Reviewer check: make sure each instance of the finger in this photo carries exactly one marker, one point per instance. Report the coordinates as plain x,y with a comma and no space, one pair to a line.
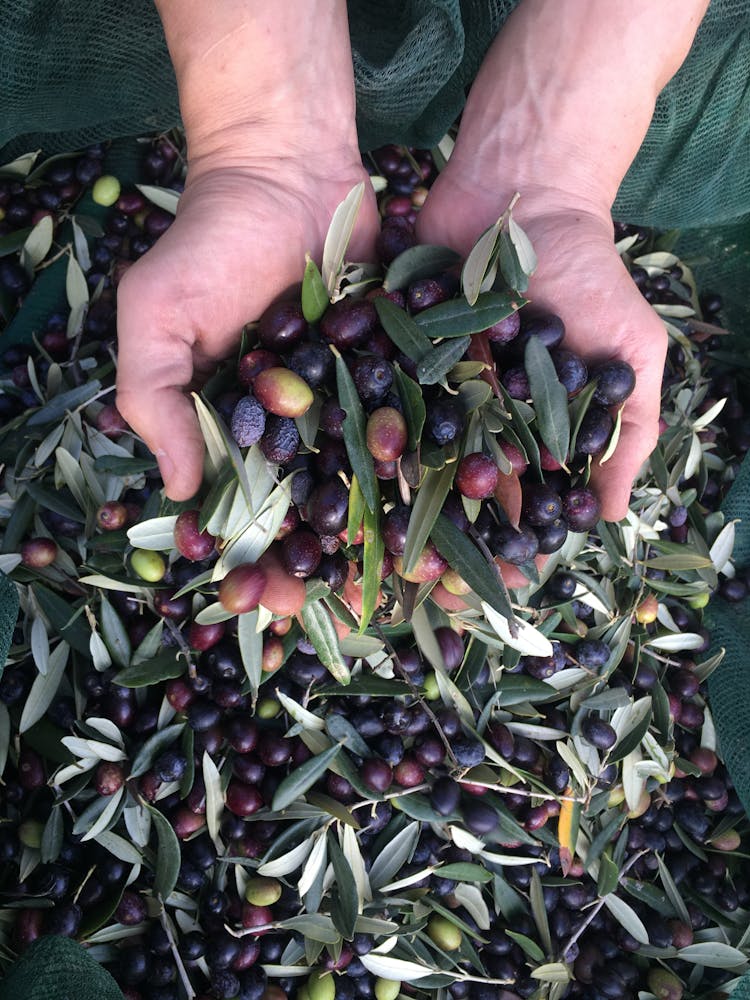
153,369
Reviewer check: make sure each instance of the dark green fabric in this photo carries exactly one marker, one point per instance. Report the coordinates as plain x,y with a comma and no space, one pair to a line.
56,968
72,73
8,615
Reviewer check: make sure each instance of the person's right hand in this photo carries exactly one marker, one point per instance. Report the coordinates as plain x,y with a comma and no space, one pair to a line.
238,242
267,98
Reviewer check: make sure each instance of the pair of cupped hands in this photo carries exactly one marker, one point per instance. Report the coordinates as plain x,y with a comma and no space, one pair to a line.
259,195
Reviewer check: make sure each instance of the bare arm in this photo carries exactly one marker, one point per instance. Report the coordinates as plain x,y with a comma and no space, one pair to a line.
558,112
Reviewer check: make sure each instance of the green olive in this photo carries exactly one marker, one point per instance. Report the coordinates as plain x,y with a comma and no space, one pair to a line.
149,566
444,933
387,989
106,190
262,891
320,985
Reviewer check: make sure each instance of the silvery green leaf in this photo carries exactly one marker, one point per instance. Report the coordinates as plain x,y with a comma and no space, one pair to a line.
338,236
675,643
322,634
119,847
315,926
214,799
52,837
107,815
99,653
156,534
253,541
149,645
80,243
212,614
714,955
633,782
678,312
710,415
8,562
153,746
552,972
479,261
613,439
39,645
408,880
76,286
435,487
56,408
316,862
220,445
533,732
631,724
418,262
72,475
107,583
386,967
524,250
659,259
308,423
573,761
287,863
251,649
93,748
114,634
302,778
19,168
138,823
528,639
107,729
162,197
37,244
722,548
672,891
44,688
298,713
471,898
394,856
626,917
168,855
353,854
550,399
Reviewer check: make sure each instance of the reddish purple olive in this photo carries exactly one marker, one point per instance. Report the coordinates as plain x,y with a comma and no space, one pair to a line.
505,330
243,800
189,541
581,509
387,434
349,322
429,566
301,552
203,637
254,362
283,392
112,516
241,589
110,777
376,774
476,476
282,326
37,553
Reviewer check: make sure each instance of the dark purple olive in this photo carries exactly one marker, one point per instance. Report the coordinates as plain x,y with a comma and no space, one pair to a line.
377,774
581,509
479,817
328,507
551,537
248,422
468,751
615,381
282,326
595,430
373,377
598,733
280,439
571,370
313,363
516,382
516,547
301,552
541,504
445,796
547,327
445,421
424,293
349,322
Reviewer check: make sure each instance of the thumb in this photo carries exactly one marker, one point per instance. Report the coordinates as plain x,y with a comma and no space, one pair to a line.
154,368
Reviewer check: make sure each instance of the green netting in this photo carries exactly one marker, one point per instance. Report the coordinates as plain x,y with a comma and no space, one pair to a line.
8,615
56,968
72,73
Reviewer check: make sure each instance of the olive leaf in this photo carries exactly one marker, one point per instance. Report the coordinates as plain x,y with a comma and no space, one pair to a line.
114,634
162,667
430,499
550,399
37,244
626,917
402,330
321,633
457,317
164,198
394,855
314,295
297,783
168,856
464,557
481,262
372,565
525,252
436,364
355,437
44,688
345,899
153,746
412,401
423,261
338,236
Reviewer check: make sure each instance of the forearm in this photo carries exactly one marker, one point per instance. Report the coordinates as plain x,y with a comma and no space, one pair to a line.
272,68
568,89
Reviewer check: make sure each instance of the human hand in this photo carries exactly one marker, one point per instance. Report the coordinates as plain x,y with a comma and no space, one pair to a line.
269,161
581,278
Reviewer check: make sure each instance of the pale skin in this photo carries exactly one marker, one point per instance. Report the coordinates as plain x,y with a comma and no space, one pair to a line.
558,111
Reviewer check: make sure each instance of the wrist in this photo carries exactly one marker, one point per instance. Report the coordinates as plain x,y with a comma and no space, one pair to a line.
261,80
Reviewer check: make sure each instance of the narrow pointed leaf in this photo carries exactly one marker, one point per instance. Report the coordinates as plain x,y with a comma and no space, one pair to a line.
297,783
321,633
457,317
417,262
402,330
550,399
436,364
355,437
466,559
168,856
433,491
338,236
314,295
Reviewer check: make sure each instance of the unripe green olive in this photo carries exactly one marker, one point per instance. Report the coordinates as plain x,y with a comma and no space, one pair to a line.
148,565
387,989
267,708
106,190
445,934
30,833
262,891
320,985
